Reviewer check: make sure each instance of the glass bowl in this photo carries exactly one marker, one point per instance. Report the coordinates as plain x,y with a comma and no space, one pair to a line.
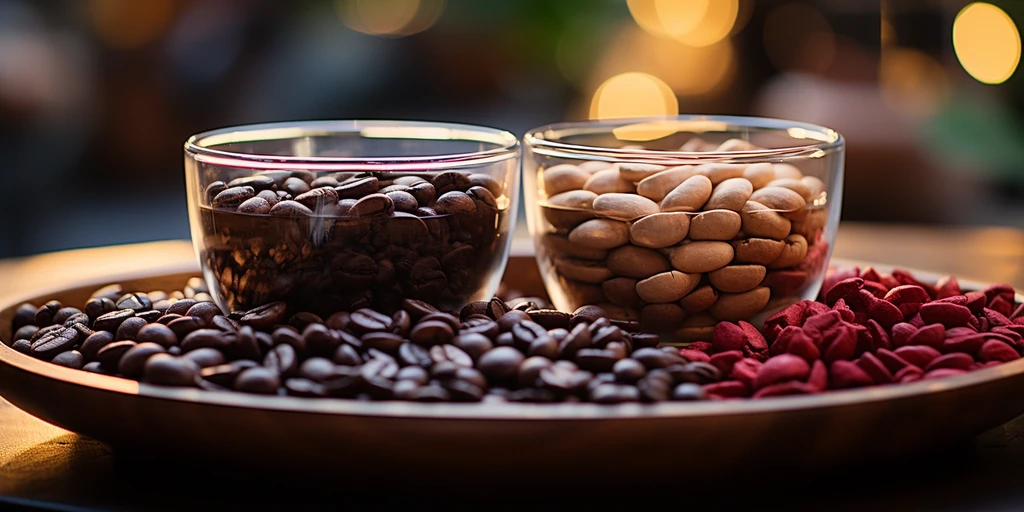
682,222
330,216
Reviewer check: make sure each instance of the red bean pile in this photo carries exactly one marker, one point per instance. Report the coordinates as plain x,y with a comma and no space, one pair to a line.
866,328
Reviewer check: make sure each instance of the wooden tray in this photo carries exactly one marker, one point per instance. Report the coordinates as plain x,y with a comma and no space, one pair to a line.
559,443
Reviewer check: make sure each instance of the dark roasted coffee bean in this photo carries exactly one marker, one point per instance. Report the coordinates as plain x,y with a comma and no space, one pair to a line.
357,188
596,359
450,319
295,186
156,333
99,306
256,181
149,316
245,344
504,339
401,322
417,309
63,314
303,319
225,374
628,371
45,331
367,320
532,395
94,343
304,387
258,380
316,368
463,391
529,370
627,325
283,360
110,291
224,323
232,197
545,347
269,196
564,379
166,319
410,354
440,353
213,189
265,316
432,393
54,342
205,338
483,180
480,324
443,370
454,203
279,176
500,364
133,362
587,314
429,333
653,358
44,315
614,394
688,391
523,305
424,211
339,320
94,367
406,389
450,180
184,325
417,374
205,357
644,340
606,335
423,192
483,196
288,336
346,355
373,204
479,307
181,307
129,329
617,348
24,346
166,370
289,208
525,333
653,389
70,359
24,315
135,301
550,318
204,311
696,372
384,341
25,332
404,201
110,355
318,198
473,344
380,367
255,205
510,319
320,340
496,308
324,181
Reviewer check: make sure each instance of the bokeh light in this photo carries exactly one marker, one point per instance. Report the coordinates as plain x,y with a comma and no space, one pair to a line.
390,18
126,24
799,38
693,22
633,94
912,82
986,42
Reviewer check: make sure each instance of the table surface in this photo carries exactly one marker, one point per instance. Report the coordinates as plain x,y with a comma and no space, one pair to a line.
42,466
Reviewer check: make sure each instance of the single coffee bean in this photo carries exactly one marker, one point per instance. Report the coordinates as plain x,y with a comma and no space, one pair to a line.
357,188
510,319
384,341
24,346
213,189
44,315
205,338
98,306
473,344
295,186
265,316
224,323
25,332
596,360
417,374
454,203
110,355
70,359
653,358
463,391
232,197
255,205
441,353
283,360
181,307
289,208
204,311
318,199
54,342
550,318
94,367
181,327
429,333
133,363
149,316
304,387
373,204
653,389
63,314
401,322
316,368
24,315
688,392
258,380
256,181
269,196
500,364
367,320
629,371
129,329
564,379
346,355
225,374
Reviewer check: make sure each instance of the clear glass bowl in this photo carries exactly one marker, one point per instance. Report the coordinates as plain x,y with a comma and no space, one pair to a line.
331,216
682,222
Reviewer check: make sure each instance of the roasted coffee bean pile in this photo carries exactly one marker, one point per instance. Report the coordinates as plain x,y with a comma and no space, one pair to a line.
867,328
491,350
681,248
344,241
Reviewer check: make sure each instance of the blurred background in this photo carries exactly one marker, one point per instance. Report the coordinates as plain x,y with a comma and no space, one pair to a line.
97,96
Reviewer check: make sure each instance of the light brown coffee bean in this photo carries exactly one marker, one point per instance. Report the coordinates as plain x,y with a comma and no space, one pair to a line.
730,194
796,185
561,246
659,185
700,299
584,271
737,278
698,257
660,230
637,262
792,254
715,225
621,291
732,307
624,206
761,251
689,196
787,171
737,145
718,173
661,317
759,175
778,198
592,166
667,286
562,178
811,224
600,234
635,172
698,145
609,181
566,213
760,221
815,188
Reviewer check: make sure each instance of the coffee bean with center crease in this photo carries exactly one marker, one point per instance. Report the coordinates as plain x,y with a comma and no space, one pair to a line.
440,353
596,359
525,333
404,201
133,362
213,189
149,316
224,323
479,307
256,181
63,314
511,318
365,321
384,341
696,372
129,329
411,354
44,315
77,318
94,343
479,324
54,342
181,307
302,319
373,204
225,374
423,192
653,358
289,208
232,197
265,316
181,327
483,196
451,203
357,188
578,339
204,311
431,332
550,318
98,306
346,355
450,180
283,360
167,370
564,379
110,355
473,344
318,198
71,359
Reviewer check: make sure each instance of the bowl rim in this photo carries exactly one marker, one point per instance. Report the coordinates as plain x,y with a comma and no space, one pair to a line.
202,146
547,139
502,411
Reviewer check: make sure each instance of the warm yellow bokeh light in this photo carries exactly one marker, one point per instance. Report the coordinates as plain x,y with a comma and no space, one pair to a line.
393,18
912,82
130,24
986,42
633,94
693,22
